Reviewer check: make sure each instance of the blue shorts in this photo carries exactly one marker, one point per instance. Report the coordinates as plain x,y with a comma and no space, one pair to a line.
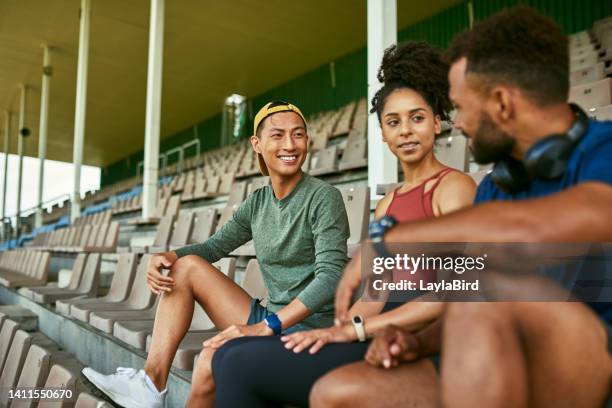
259,313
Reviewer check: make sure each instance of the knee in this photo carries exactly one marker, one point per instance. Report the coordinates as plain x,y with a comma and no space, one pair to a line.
182,267
334,389
202,380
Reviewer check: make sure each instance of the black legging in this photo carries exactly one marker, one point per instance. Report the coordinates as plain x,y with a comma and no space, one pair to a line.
252,372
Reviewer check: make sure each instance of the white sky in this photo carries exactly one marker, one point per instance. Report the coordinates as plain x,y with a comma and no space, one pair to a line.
58,180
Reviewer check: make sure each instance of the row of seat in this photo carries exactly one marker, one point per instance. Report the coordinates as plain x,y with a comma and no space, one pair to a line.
24,267
30,361
84,238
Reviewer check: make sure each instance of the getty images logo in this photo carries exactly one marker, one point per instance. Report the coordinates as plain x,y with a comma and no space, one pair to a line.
412,264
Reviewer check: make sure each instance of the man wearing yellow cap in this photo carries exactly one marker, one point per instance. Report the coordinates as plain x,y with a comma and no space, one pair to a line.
299,228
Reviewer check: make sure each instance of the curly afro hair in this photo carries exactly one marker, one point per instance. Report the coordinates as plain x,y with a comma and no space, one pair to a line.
417,66
519,47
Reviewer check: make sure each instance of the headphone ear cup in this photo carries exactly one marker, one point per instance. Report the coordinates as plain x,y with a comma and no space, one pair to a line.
510,176
548,158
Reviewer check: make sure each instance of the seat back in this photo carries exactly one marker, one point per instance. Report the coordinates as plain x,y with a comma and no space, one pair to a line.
14,363
357,203
60,378
253,282
588,74
164,228
9,327
122,278
453,151
33,373
237,193
204,226
77,271
89,281
173,205
182,229
257,183
592,95
602,113
141,296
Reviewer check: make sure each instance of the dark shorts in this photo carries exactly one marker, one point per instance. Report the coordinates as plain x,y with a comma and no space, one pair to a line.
259,313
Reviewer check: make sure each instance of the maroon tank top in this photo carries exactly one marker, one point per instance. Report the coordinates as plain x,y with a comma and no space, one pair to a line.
416,203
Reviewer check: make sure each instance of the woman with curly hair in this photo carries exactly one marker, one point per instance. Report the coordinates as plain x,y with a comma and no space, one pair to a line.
411,105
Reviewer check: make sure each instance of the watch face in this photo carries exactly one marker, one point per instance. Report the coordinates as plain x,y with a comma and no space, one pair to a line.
357,320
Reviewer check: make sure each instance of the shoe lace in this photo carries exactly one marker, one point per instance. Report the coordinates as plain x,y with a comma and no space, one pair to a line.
126,372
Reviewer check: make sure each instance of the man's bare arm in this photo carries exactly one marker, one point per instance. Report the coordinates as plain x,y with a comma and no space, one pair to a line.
582,213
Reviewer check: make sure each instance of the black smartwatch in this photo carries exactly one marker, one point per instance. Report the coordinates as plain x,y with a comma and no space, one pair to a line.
377,231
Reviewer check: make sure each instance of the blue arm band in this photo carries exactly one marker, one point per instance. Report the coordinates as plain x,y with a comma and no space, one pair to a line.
273,322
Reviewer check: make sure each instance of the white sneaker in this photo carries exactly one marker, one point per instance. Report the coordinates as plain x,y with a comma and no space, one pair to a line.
127,387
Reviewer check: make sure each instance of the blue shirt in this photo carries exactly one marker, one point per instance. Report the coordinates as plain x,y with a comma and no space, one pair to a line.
591,160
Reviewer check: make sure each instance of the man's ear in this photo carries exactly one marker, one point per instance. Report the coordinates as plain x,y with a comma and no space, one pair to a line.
500,105
255,142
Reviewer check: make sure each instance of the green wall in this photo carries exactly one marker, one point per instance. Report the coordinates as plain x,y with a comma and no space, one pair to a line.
313,92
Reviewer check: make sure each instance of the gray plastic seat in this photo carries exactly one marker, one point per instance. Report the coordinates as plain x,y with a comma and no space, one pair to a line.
357,203
119,288
73,283
355,153
181,232
325,161
9,328
204,226
88,284
137,332
140,297
14,364
61,378
33,373
35,275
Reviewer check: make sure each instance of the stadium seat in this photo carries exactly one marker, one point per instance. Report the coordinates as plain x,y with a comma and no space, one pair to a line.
119,288
355,153
7,333
257,183
140,297
592,95
60,378
181,232
325,161
204,226
33,373
73,284
601,113
87,284
586,75
34,274
161,240
13,364
453,151
357,204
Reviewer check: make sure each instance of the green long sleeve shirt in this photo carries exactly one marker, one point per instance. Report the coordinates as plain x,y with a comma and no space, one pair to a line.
300,243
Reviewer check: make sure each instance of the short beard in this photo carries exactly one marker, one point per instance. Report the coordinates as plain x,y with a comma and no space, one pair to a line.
489,143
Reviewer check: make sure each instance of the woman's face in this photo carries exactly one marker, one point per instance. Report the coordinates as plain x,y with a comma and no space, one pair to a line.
408,125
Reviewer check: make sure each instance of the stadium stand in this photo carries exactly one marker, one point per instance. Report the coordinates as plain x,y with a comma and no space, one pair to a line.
194,201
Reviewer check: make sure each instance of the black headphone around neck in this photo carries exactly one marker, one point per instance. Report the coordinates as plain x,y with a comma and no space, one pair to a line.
547,159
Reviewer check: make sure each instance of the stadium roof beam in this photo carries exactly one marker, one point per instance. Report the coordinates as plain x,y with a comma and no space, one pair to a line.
7,132
80,107
42,131
382,33
153,108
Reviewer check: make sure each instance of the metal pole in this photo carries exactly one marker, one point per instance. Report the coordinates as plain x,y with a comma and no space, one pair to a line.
382,32
42,132
7,132
153,112
20,147
81,104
